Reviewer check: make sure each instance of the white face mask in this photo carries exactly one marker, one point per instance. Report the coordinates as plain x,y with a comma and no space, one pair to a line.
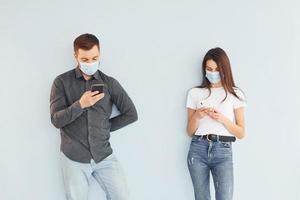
213,77
89,68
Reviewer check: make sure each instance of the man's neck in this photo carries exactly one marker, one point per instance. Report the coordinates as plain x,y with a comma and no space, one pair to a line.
86,77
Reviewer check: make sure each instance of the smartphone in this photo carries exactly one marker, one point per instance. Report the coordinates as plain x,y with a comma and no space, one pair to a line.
97,87
204,104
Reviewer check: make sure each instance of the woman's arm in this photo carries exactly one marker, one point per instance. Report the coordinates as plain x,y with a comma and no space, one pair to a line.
194,117
237,128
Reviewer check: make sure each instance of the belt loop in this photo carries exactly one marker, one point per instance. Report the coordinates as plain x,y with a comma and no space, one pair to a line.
218,138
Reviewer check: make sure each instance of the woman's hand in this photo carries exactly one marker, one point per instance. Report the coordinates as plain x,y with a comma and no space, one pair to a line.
235,128
216,115
201,112
194,116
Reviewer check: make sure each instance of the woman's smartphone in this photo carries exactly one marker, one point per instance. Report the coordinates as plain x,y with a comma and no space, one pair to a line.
97,87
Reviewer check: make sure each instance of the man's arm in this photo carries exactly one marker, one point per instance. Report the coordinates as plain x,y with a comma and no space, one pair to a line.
61,113
128,113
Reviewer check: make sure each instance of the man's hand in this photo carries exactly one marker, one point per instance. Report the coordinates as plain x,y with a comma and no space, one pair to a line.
89,98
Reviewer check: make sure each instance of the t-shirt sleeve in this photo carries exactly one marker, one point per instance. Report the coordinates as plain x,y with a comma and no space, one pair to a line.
238,103
191,101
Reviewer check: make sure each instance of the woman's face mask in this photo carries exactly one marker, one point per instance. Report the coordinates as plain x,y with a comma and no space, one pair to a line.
213,77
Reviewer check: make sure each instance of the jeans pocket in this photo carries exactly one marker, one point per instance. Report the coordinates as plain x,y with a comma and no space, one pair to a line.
223,150
195,139
110,157
225,144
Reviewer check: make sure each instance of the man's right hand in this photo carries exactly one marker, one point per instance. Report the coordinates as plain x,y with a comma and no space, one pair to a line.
89,98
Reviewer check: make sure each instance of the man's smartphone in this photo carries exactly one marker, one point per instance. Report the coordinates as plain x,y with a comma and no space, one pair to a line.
97,87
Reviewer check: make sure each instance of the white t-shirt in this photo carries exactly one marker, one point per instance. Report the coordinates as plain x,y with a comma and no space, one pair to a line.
197,98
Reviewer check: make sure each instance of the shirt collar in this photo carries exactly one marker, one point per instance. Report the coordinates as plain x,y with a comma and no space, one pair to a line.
78,74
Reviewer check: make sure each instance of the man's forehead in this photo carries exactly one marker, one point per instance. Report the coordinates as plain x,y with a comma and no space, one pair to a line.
88,53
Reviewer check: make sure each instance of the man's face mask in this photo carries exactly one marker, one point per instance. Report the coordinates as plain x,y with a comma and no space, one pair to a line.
89,68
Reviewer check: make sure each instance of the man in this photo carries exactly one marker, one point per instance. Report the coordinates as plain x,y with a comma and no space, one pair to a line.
83,118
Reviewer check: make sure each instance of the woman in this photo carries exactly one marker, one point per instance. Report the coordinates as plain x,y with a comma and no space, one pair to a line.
215,120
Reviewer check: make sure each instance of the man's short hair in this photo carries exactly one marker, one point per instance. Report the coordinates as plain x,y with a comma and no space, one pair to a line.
86,42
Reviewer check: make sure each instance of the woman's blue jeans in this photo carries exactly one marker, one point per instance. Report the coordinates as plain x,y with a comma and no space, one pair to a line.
216,157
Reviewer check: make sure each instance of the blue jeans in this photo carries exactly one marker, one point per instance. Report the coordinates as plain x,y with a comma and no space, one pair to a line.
108,173
215,157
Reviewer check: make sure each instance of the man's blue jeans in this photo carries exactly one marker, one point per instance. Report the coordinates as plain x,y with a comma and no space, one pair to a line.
108,173
215,157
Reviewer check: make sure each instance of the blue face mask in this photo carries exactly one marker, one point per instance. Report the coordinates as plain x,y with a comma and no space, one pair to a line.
213,77
89,68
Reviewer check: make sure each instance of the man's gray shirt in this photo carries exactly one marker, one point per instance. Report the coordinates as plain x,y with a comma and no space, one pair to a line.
85,132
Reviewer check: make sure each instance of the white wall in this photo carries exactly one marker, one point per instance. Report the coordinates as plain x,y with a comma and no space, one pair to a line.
154,48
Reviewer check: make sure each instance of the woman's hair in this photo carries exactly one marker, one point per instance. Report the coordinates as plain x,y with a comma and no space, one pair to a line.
220,57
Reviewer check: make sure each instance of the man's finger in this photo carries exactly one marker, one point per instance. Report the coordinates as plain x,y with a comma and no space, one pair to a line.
94,93
98,96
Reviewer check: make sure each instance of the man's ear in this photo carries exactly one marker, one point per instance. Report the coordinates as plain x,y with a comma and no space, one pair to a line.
76,58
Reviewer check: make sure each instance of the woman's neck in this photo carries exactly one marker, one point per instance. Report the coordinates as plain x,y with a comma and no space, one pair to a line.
216,85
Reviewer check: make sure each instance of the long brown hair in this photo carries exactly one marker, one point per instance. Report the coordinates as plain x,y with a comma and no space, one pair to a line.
220,57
